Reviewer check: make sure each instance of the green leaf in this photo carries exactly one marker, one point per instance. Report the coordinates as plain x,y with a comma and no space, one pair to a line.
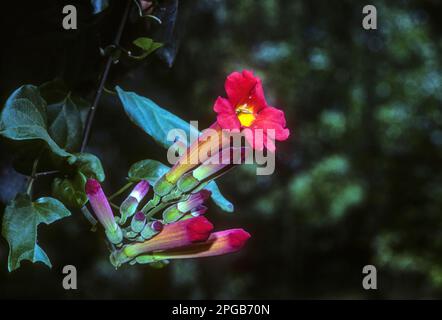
66,114
24,118
154,120
71,191
31,93
20,223
149,170
67,128
89,165
157,122
218,198
147,45
54,93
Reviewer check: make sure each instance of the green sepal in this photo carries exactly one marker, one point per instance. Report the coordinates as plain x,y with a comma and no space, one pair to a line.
172,214
187,182
162,186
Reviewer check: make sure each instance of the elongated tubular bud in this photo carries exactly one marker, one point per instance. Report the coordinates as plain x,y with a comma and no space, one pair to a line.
178,234
103,211
212,168
220,163
172,213
197,152
129,206
219,243
140,190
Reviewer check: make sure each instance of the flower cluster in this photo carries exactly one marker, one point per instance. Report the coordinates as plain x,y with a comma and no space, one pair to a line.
140,235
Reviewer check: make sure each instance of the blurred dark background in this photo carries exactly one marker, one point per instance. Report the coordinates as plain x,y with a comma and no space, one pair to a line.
357,183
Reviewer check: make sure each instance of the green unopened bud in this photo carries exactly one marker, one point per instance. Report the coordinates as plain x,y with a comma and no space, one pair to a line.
128,208
115,236
187,182
172,214
138,222
162,186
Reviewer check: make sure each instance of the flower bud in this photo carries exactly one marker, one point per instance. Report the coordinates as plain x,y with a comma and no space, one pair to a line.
194,200
219,243
174,235
103,211
220,163
138,222
151,229
130,204
177,211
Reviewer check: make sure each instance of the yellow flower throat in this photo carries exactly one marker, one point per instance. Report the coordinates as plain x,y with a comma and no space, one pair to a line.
245,114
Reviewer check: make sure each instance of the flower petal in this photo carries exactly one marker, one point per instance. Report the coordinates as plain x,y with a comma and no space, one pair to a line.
222,105
273,114
228,121
272,118
245,88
